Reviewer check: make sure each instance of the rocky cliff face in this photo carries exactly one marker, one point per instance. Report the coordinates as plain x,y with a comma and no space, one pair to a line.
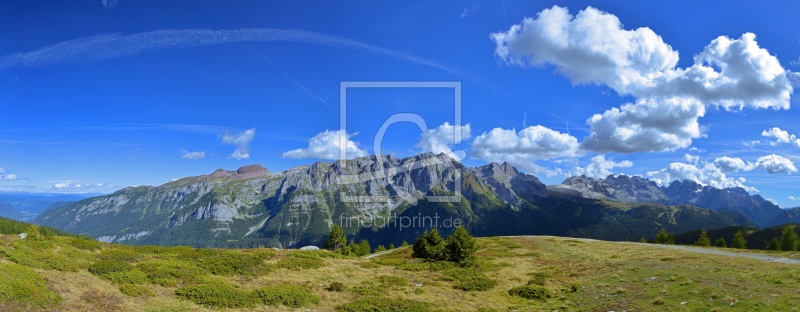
618,188
737,200
252,206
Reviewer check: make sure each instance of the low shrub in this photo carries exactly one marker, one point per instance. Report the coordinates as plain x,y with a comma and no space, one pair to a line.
170,272
136,290
218,296
336,286
103,267
127,277
21,285
538,278
233,263
533,292
385,305
288,295
120,254
42,254
85,243
300,263
476,283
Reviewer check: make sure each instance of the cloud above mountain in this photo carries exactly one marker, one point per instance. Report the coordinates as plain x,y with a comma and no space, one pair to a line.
716,173
241,141
442,138
522,149
327,145
592,47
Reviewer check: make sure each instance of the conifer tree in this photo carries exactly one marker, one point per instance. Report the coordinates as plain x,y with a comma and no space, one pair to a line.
664,238
460,246
788,240
721,243
739,240
380,248
336,239
774,244
703,240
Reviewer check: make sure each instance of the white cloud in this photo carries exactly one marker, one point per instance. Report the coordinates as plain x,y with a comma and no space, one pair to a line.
716,173
325,145
600,167
781,137
693,159
241,141
731,164
71,187
794,198
592,47
7,176
776,164
709,175
193,155
649,125
524,148
441,139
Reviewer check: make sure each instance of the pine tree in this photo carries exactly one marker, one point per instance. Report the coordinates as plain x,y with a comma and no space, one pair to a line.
336,240
703,240
664,238
460,246
643,240
420,248
739,241
436,246
33,233
721,243
789,239
363,248
404,244
391,246
774,244
380,248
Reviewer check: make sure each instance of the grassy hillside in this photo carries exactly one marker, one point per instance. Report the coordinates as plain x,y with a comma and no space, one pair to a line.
513,273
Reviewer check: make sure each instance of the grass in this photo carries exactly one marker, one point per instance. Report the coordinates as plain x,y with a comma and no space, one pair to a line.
511,273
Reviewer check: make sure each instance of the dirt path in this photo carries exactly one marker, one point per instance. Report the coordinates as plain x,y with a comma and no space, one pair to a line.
382,253
715,251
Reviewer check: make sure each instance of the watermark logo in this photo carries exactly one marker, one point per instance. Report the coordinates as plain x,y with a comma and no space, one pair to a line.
400,222
386,173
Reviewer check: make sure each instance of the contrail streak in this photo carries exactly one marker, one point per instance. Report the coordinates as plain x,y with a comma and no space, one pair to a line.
109,46
290,78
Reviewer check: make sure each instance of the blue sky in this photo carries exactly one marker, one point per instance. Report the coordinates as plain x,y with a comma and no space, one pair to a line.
99,95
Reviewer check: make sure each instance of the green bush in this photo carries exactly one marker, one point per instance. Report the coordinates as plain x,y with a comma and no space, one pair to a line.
533,292
85,243
21,285
336,286
233,263
288,295
218,296
127,277
170,272
477,283
300,263
42,254
125,255
103,267
385,305
136,290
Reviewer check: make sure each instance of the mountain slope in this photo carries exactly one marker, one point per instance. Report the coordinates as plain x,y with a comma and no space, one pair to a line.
370,197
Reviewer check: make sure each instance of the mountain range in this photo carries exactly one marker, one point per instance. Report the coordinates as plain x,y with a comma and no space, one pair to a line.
379,198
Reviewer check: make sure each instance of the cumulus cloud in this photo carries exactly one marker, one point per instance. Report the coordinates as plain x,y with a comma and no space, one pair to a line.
692,159
776,164
523,148
709,174
241,141
326,145
781,137
4,176
193,155
716,173
592,47
731,164
794,198
600,167
441,139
